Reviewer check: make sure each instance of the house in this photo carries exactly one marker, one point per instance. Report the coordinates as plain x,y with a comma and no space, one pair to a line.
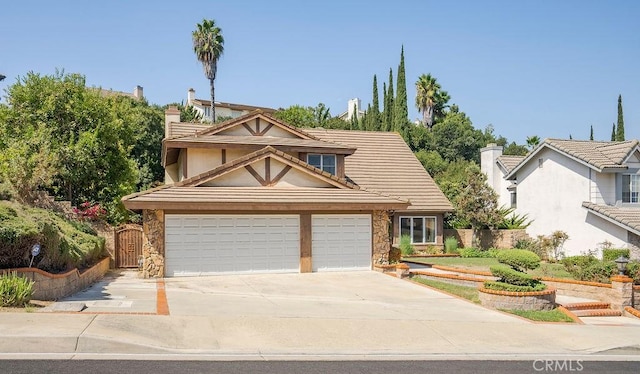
353,108
223,110
254,194
588,189
137,93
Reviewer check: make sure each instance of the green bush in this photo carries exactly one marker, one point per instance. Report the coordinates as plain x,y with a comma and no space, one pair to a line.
475,252
15,290
633,270
511,276
501,286
611,254
519,259
406,248
451,245
598,272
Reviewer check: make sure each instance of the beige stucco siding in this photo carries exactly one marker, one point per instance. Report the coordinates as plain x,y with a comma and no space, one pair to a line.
201,159
171,174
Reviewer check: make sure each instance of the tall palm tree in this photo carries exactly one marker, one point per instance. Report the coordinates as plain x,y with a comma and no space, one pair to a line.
430,98
208,45
533,141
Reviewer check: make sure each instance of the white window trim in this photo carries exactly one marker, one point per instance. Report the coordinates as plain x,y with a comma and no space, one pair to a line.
424,231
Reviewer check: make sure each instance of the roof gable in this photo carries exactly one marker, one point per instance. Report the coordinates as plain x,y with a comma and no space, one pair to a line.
256,123
263,174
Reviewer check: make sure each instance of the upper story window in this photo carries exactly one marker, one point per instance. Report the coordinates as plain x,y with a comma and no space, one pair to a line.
630,188
323,162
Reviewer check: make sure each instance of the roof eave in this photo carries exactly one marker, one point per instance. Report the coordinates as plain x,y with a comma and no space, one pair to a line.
134,204
610,219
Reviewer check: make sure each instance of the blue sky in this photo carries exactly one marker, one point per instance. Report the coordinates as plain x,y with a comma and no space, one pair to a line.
546,68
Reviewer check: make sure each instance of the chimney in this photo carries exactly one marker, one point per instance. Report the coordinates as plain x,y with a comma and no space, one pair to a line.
137,93
171,115
191,96
488,165
350,109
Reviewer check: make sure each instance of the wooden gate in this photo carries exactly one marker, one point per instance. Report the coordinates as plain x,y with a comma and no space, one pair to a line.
128,240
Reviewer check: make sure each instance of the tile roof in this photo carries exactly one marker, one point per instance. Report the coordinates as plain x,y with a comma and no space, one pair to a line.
180,129
598,155
223,140
232,106
383,162
509,162
259,198
625,216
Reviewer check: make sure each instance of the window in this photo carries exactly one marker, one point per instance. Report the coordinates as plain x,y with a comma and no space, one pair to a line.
514,199
323,162
421,229
630,188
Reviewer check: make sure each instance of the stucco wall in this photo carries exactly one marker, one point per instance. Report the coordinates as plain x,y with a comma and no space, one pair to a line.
552,196
200,160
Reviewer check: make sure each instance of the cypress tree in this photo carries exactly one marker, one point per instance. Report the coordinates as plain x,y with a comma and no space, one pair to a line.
613,133
401,109
591,135
354,124
389,105
383,114
620,129
374,119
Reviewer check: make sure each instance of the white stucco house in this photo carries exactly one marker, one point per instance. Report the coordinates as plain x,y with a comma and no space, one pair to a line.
354,107
223,110
588,189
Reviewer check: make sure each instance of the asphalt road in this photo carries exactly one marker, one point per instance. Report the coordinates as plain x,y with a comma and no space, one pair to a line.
315,367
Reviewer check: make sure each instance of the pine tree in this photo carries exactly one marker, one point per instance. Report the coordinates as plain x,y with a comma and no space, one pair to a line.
401,109
389,106
374,119
591,135
620,129
613,133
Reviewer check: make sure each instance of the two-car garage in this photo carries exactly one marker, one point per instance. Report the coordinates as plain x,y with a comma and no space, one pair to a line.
209,244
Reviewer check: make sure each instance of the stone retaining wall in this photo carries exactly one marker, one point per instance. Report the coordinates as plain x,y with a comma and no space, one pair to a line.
538,300
49,286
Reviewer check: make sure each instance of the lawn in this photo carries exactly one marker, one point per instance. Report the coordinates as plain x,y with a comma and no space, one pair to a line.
483,264
542,315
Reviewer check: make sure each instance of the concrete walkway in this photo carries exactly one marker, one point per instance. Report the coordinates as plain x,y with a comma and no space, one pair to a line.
292,316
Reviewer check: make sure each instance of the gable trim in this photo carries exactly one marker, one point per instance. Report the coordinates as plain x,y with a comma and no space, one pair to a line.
260,116
539,149
611,220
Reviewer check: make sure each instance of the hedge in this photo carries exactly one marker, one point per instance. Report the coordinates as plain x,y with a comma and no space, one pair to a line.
519,259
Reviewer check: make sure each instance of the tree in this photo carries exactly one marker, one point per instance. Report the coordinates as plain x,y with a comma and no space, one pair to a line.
374,112
389,105
321,115
478,203
401,110
355,123
620,128
208,45
430,99
533,141
2,77
613,133
514,149
296,115
591,133
455,138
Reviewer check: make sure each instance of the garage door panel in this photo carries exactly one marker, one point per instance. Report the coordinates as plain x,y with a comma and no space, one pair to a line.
223,244
341,242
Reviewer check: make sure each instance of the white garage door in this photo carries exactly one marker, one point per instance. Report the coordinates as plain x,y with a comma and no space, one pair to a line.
341,242
231,244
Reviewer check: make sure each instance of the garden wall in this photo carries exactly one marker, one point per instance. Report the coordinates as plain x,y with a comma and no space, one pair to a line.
56,286
488,238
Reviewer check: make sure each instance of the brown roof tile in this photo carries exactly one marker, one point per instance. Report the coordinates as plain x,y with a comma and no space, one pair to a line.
383,162
626,216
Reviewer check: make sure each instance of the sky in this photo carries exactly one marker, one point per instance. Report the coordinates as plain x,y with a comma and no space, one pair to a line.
546,68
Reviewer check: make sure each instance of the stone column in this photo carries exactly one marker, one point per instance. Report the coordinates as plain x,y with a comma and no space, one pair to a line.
622,287
381,247
153,243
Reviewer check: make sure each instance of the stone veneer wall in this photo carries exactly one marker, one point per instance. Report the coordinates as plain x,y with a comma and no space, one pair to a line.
537,300
49,286
634,245
381,244
153,243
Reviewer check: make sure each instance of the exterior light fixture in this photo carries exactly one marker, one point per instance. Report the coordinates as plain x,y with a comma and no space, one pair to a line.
621,263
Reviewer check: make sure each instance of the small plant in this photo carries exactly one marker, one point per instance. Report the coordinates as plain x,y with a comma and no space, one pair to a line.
15,290
611,254
511,275
451,245
511,220
88,211
477,253
406,248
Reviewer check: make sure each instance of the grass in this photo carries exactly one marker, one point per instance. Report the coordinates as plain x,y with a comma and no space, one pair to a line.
483,264
541,315
469,293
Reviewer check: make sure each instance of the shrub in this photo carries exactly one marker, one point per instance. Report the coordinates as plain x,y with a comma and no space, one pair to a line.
406,248
611,254
525,243
519,259
15,290
511,276
475,252
633,270
451,245
599,271
501,286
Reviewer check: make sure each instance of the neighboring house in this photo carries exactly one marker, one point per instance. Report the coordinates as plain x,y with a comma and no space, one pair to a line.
223,110
353,107
136,94
588,189
254,194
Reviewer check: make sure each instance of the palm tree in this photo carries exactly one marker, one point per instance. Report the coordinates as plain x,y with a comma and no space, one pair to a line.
533,141
2,77
208,45
430,99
